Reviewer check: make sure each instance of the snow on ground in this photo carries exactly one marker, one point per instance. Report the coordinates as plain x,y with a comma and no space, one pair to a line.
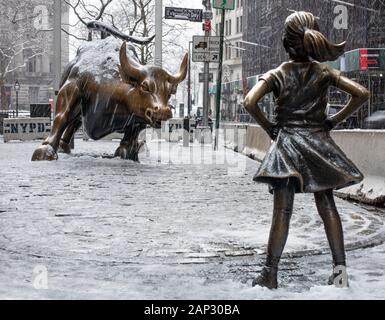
185,223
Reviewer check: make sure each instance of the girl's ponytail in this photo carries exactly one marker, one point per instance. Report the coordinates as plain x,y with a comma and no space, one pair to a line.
303,39
321,49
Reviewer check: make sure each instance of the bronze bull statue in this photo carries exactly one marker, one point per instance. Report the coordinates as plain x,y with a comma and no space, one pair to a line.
107,89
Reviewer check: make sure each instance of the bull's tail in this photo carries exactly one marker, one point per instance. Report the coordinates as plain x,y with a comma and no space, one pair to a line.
100,26
66,73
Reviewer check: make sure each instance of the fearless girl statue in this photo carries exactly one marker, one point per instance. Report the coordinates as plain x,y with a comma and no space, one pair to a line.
303,157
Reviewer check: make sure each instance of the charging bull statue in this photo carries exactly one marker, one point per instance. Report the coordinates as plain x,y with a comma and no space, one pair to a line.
107,89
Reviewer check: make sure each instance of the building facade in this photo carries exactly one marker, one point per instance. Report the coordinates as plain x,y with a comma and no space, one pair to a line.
232,60
264,22
361,23
27,54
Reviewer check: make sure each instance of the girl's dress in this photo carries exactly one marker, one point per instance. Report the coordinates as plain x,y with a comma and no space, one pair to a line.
304,152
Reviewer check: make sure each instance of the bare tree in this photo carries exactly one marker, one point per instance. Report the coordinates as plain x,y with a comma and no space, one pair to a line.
86,11
20,43
133,17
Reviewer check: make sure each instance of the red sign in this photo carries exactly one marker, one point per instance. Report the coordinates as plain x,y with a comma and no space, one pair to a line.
369,59
207,25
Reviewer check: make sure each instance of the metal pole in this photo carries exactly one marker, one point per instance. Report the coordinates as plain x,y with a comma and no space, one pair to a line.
370,90
57,47
206,72
158,32
189,82
219,80
17,103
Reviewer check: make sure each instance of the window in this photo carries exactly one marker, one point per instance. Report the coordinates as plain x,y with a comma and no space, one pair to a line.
230,27
229,48
33,63
33,94
238,25
241,24
228,52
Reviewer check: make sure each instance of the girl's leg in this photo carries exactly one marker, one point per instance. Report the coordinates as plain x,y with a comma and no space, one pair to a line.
283,209
333,227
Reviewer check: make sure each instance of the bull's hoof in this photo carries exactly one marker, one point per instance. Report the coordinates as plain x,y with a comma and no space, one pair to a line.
44,153
64,147
129,152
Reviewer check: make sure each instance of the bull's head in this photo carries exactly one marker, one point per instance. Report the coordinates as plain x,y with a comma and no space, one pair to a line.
153,86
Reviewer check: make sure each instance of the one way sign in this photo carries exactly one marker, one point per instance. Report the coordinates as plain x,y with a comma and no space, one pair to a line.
206,57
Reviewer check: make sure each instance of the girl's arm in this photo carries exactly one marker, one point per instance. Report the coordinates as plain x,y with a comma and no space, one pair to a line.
359,96
251,105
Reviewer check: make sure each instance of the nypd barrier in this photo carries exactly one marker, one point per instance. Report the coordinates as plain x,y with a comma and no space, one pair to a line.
364,147
25,129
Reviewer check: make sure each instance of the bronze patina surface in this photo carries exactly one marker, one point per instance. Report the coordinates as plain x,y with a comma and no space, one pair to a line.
106,89
303,157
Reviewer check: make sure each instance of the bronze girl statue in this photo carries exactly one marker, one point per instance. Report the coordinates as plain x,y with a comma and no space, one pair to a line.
303,157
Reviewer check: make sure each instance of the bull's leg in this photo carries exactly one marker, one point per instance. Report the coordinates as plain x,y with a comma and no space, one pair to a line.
68,134
130,146
67,107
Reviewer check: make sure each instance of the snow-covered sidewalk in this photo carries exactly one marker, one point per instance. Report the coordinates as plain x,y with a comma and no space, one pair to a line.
185,223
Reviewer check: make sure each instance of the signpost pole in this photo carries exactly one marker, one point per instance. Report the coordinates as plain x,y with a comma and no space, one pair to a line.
219,80
57,48
189,83
206,97
158,32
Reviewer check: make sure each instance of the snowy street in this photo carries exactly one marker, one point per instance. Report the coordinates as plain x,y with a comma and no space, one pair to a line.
185,223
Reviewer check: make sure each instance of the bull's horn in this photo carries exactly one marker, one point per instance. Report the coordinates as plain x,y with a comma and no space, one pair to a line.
129,70
181,75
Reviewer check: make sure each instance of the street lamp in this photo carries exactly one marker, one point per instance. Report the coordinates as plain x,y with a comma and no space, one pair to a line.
17,89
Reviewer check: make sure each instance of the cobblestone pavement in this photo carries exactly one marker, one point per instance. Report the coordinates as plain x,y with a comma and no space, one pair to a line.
184,223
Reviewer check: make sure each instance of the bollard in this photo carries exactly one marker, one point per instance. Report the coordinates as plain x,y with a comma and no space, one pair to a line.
186,132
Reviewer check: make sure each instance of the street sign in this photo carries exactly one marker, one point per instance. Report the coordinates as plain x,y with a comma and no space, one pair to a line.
202,44
207,25
206,57
208,15
205,49
203,77
224,4
193,15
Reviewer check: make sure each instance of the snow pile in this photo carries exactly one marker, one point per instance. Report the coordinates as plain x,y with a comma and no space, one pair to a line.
101,59
371,191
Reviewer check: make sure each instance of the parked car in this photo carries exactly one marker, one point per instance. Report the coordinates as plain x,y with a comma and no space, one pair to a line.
375,121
